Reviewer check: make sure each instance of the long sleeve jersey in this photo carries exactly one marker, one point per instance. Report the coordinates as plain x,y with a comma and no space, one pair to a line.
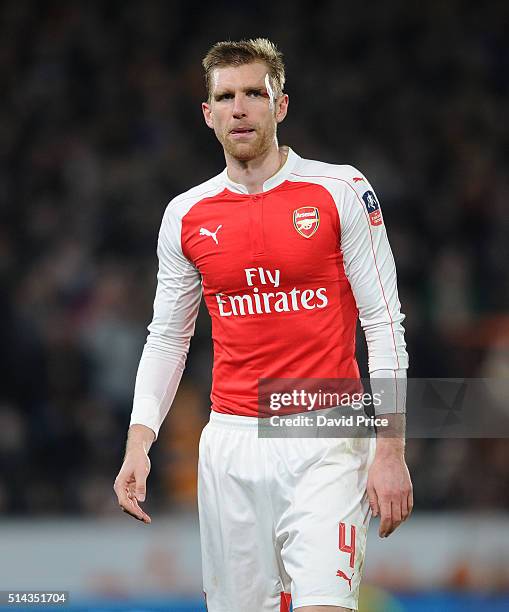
285,274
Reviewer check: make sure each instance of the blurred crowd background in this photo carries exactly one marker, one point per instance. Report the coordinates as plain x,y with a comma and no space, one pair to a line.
100,126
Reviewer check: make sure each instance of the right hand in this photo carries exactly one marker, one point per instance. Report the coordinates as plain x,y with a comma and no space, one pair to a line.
130,484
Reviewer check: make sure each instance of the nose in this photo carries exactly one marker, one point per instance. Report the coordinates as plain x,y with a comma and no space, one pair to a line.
239,109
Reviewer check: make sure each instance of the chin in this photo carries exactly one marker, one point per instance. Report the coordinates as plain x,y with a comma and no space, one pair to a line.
243,151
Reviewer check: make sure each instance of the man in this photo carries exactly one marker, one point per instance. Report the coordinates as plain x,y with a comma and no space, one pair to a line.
289,253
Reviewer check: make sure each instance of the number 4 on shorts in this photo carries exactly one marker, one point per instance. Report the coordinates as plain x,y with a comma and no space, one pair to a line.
343,546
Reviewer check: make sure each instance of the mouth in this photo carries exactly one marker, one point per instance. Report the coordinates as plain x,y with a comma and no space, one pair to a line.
241,132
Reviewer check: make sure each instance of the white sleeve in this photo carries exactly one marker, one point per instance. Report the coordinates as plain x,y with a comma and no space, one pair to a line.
371,271
176,306
389,389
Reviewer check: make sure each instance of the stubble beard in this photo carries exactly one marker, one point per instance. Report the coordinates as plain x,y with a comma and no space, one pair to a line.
246,151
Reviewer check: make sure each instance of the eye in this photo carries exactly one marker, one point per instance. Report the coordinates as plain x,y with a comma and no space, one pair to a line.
254,92
226,96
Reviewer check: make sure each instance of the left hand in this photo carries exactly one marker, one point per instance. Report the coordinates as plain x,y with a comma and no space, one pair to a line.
389,487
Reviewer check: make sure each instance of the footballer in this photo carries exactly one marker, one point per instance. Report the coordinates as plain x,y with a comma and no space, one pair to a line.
288,254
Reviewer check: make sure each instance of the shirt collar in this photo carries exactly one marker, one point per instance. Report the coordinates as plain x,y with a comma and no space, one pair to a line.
274,181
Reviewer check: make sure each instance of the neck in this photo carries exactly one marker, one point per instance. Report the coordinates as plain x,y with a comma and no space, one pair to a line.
253,173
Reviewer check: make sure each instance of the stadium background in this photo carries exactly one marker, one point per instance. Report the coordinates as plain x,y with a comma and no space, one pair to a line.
100,125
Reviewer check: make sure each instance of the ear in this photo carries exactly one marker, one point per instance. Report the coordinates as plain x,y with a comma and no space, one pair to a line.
207,114
282,107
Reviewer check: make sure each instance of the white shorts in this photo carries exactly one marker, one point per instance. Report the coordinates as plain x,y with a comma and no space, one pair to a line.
280,516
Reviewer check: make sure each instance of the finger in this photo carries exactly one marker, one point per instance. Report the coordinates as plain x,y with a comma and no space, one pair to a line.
395,516
141,486
134,504
404,507
385,518
144,519
134,510
130,514
120,484
410,502
373,501
127,501
121,489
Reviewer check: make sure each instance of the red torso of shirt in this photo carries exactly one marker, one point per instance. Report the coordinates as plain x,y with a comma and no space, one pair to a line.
302,328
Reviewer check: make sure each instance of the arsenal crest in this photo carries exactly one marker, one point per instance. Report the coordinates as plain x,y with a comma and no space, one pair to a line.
306,220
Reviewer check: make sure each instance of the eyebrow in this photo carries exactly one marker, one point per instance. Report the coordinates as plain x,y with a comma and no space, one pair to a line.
259,88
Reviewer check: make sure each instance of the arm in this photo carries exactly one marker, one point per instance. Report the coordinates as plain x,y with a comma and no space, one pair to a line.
389,485
370,268
162,362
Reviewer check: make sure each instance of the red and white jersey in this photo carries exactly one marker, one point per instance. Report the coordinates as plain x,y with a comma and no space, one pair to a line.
285,274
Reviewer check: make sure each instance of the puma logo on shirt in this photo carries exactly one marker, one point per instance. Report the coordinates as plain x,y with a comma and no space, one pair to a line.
205,232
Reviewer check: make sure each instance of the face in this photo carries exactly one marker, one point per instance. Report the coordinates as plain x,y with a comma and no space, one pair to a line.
243,111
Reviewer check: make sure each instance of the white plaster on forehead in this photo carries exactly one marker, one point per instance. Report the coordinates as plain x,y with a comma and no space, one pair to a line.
270,91
214,79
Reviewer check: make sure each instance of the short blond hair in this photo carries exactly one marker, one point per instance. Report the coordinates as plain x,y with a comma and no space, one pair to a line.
238,53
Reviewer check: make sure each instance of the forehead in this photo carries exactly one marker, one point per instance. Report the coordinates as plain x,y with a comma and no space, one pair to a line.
231,77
